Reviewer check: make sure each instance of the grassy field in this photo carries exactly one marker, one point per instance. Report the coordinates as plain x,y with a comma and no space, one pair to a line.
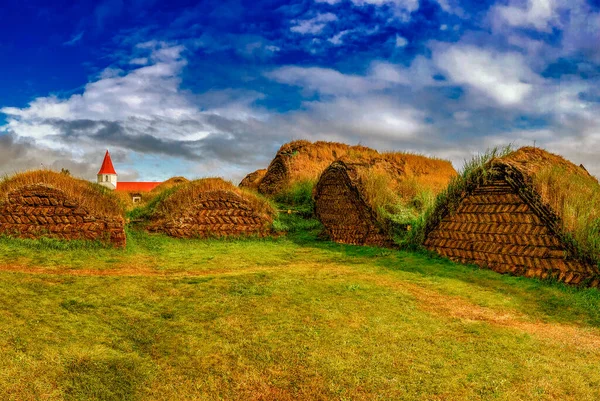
283,319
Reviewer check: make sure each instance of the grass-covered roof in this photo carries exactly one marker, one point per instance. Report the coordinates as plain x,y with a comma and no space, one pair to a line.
92,197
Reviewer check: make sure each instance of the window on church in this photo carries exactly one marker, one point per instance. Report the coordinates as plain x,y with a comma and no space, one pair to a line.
105,178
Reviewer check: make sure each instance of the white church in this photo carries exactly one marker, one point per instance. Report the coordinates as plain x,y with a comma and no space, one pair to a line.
108,177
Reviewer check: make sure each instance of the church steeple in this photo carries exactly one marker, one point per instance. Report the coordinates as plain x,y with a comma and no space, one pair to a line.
107,176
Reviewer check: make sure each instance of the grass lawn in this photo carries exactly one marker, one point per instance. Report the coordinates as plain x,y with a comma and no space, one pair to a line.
284,319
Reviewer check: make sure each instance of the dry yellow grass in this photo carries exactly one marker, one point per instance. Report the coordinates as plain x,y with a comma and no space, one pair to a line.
168,184
571,192
253,179
183,195
126,199
393,179
301,161
92,197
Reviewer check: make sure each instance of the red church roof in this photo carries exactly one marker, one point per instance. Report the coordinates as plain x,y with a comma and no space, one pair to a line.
137,186
107,166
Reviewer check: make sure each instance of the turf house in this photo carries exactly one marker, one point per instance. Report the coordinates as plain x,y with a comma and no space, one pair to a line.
529,213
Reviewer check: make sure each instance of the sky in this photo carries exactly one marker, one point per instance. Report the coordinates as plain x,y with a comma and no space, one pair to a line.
214,88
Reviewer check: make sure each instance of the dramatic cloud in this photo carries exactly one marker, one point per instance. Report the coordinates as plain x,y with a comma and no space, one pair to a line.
18,155
220,92
142,110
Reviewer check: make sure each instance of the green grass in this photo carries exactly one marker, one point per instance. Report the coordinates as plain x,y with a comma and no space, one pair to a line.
297,198
284,319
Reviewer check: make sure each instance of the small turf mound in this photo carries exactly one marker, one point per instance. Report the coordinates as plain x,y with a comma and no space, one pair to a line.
211,207
365,197
301,161
170,183
253,180
48,204
528,213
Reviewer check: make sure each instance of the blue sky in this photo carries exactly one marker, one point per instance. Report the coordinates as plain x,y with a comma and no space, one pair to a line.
213,88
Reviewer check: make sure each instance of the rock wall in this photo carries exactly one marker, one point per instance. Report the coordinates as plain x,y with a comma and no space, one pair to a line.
38,211
494,227
213,214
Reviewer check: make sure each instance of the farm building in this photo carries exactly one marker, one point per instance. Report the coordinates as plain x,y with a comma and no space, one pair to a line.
211,207
108,177
362,196
300,161
529,213
252,180
48,204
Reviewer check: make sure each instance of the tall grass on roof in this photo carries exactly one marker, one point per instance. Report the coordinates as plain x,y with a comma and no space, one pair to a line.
174,198
178,197
403,186
367,197
95,198
473,172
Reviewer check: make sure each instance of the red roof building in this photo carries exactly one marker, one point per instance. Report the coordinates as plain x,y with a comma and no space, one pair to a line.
107,176
107,165
136,186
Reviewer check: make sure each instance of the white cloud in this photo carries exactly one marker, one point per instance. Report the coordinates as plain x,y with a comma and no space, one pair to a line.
336,40
380,76
76,38
410,5
541,15
451,7
139,61
504,77
401,8
322,80
581,33
150,90
420,73
401,41
376,120
314,25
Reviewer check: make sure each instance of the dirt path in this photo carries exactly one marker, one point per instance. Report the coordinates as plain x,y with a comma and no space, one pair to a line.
130,271
457,307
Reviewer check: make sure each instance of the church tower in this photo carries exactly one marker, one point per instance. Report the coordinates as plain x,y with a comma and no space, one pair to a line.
107,176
